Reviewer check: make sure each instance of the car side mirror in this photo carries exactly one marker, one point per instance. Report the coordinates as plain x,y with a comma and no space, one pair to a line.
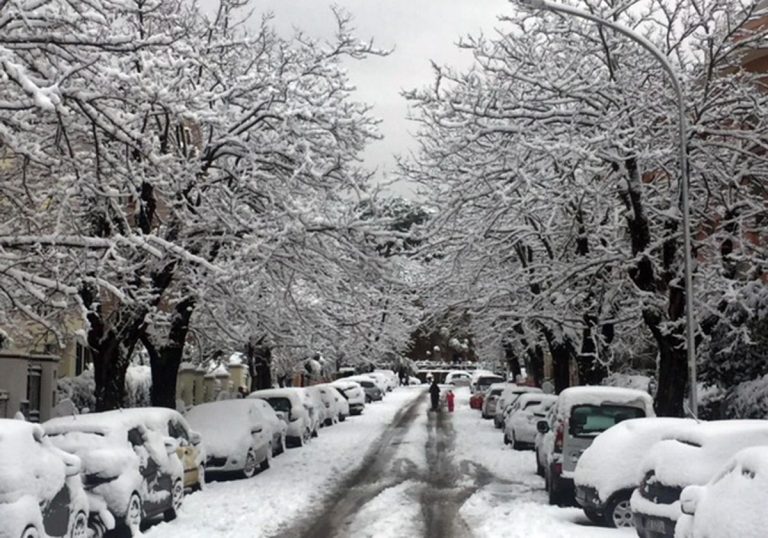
542,426
195,438
171,445
689,498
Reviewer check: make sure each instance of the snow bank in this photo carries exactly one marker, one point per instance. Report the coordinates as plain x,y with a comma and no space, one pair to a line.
492,512
612,462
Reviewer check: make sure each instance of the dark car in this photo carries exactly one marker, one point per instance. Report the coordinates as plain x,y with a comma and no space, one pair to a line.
134,469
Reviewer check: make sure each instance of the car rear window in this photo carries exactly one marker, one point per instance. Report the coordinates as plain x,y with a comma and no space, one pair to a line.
590,420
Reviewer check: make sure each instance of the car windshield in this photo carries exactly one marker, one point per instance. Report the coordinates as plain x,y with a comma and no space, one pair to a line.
590,420
280,404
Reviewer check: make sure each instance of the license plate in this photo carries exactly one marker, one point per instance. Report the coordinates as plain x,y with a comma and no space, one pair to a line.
656,525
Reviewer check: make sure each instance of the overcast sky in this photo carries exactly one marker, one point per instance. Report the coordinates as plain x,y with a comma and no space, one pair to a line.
419,30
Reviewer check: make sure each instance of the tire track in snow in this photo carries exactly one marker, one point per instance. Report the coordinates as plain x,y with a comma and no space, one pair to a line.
367,482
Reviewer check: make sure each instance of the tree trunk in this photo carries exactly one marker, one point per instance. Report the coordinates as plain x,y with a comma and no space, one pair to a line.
673,364
513,362
673,373
111,349
165,360
562,352
259,358
591,370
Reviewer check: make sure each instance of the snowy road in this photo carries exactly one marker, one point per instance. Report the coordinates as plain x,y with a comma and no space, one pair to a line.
397,471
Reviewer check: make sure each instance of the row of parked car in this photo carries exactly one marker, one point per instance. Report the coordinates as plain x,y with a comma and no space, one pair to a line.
603,449
84,475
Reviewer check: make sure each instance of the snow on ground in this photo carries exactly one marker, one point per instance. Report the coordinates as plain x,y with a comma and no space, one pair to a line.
296,482
512,502
377,519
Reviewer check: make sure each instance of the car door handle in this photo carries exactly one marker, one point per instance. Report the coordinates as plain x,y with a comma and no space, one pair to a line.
257,430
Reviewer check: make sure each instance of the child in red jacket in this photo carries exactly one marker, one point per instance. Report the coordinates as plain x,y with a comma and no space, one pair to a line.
449,397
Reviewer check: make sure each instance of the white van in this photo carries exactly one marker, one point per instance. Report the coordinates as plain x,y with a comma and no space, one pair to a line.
580,415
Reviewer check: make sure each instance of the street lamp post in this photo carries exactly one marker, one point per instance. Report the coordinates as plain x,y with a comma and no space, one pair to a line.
683,139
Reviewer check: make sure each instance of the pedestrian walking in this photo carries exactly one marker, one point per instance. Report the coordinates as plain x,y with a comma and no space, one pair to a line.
434,394
449,398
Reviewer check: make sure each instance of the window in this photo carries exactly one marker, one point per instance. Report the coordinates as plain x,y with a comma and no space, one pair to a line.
34,381
177,430
82,358
590,420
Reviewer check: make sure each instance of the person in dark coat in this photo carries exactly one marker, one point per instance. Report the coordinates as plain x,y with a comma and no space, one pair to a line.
434,394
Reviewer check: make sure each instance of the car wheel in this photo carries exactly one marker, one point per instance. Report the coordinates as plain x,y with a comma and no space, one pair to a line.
342,418
618,512
314,433
177,497
267,459
506,439
249,469
134,514
30,532
79,526
515,444
368,399
593,516
200,478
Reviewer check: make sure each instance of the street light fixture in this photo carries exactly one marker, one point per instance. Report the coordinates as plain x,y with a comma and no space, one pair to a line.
683,140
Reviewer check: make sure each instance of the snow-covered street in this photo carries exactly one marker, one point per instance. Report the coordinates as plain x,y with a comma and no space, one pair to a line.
395,471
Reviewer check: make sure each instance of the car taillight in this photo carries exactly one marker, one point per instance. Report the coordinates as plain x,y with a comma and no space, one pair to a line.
559,434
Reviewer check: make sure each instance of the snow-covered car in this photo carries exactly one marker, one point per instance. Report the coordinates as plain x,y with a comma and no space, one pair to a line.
475,375
332,401
609,470
580,415
324,403
342,401
730,505
458,378
237,436
380,380
482,383
278,423
133,468
41,493
692,457
490,398
508,397
291,402
354,393
520,424
372,392
391,378
171,423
